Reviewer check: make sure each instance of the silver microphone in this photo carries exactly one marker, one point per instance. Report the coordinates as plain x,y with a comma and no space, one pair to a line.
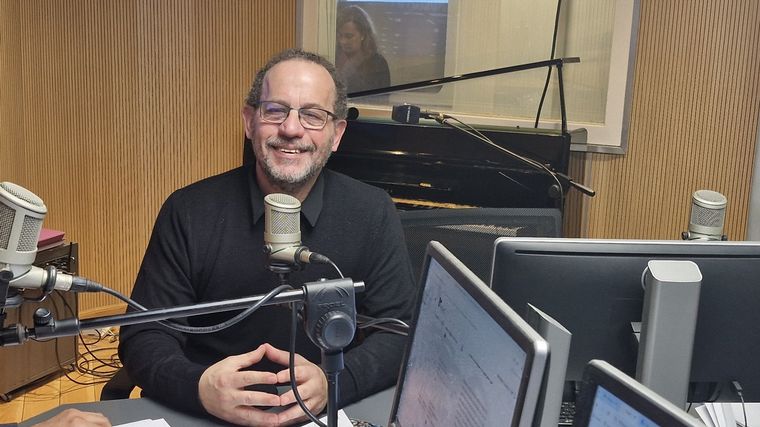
282,232
21,215
708,213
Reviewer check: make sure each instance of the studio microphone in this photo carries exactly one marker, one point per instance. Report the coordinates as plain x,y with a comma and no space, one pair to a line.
708,213
411,114
21,215
282,232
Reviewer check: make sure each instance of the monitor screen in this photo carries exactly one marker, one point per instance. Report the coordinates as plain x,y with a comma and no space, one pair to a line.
593,288
611,398
471,360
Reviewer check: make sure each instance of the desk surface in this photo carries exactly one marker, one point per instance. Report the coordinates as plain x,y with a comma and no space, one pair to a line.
374,409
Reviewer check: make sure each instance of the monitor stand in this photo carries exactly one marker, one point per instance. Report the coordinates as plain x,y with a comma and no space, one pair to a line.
550,401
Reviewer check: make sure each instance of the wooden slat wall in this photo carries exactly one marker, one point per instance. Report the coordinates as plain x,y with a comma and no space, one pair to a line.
106,107
694,121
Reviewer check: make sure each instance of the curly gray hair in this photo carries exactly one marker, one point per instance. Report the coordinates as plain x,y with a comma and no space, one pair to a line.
340,107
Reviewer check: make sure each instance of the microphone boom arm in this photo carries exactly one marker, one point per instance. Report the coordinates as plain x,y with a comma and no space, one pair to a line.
561,178
72,326
557,62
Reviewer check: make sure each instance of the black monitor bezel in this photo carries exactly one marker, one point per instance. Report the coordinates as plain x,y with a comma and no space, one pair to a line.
696,251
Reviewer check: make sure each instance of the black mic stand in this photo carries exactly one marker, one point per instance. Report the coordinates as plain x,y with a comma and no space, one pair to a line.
330,319
330,323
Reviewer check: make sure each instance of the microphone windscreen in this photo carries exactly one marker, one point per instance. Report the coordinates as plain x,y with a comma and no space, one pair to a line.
352,113
409,114
708,213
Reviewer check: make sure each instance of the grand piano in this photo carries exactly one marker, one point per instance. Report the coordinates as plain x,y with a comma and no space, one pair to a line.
440,165
429,165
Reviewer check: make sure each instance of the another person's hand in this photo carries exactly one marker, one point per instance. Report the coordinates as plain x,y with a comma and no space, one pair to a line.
222,393
311,382
76,418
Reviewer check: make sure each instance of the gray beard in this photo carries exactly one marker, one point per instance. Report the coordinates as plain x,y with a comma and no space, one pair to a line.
291,184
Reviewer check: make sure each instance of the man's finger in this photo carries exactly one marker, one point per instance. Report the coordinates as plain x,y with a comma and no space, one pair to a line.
245,360
242,379
255,398
294,413
282,357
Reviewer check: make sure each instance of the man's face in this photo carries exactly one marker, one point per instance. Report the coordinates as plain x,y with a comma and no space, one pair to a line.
288,156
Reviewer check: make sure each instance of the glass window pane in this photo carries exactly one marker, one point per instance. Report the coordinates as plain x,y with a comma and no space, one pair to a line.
423,40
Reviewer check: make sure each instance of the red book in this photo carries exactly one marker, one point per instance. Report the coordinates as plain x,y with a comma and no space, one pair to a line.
49,237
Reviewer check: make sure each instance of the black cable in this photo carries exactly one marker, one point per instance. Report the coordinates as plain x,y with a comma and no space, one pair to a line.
292,365
340,273
77,366
740,392
81,337
549,70
92,353
203,329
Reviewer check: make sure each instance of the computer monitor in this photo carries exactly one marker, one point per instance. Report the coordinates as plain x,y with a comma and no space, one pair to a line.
609,397
471,360
593,288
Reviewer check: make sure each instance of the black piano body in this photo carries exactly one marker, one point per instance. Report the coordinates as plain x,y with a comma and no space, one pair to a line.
435,166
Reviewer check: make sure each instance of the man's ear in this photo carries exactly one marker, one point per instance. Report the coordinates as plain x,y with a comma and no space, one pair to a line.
248,114
340,128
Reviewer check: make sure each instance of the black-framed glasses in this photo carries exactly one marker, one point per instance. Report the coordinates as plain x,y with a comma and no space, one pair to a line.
310,117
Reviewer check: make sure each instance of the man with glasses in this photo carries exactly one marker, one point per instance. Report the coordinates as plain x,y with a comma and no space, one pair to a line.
207,246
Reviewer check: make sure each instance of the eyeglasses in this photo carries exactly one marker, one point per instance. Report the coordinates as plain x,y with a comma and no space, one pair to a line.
311,117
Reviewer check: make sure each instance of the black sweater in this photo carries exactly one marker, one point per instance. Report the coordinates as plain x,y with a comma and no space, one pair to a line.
207,246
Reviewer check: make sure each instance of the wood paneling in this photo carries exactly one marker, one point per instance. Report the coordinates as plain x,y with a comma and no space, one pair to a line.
106,107
694,121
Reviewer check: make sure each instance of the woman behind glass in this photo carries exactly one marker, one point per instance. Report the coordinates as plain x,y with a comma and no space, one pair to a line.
358,62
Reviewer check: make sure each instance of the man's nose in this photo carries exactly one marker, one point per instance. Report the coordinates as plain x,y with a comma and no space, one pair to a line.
292,125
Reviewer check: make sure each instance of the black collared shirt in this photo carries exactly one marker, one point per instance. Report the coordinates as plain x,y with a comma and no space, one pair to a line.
207,245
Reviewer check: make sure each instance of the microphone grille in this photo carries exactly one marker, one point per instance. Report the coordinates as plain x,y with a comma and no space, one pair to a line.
18,203
24,194
708,213
285,211
30,233
6,225
708,208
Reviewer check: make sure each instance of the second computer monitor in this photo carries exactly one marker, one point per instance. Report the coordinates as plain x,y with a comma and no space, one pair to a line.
611,398
471,360
593,288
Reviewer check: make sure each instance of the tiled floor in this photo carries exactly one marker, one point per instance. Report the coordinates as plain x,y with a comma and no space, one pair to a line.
64,389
